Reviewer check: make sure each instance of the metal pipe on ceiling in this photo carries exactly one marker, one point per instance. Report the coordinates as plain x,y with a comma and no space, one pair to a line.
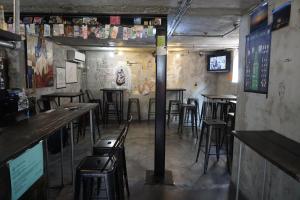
205,35
5,44
17,16
185,4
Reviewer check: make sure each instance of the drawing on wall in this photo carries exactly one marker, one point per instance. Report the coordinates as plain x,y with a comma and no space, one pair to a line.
122,77
281,16
60,77
39,62
258,47
71,72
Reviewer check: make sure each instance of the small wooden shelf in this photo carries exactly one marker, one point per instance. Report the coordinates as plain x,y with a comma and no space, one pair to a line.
8,36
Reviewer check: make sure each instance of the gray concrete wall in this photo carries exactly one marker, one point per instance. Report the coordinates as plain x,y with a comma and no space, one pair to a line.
279,111
185,70
18,77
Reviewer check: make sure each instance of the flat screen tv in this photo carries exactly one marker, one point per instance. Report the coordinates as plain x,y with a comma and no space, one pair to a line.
219,61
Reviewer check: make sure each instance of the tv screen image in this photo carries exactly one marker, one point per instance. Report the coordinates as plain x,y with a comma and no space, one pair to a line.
218,63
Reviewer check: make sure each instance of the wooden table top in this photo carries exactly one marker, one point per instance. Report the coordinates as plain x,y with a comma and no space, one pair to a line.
176,89
63,94
113,89
277,149
220,97
15,139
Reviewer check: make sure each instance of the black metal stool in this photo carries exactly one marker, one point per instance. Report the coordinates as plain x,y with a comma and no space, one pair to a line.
91,99
135,101
230,120
104,146
111,108
211,126
195,101
189,109
150,112
174,109
100,169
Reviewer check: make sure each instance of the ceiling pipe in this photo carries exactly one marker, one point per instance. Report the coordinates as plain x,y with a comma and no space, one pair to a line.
185,4
17,16
205,35
5,44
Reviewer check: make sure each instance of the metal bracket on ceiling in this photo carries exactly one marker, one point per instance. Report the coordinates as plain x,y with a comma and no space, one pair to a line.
181,10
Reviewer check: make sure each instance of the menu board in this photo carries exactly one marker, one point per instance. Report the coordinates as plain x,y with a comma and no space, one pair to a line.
258,47
25,170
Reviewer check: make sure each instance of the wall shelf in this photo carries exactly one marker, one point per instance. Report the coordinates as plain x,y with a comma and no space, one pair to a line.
8,36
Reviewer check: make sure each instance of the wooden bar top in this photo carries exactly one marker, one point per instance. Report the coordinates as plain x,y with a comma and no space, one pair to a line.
277,149
63,94
17,138
220,97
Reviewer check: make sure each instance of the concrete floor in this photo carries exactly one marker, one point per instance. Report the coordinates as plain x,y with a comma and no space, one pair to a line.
190,183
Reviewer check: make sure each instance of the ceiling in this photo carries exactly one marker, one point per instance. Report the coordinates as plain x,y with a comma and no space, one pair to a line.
206,20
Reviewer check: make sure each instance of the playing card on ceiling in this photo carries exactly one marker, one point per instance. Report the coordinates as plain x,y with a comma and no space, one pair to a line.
125,33
76,31
84,31
114,32
107,31
47,30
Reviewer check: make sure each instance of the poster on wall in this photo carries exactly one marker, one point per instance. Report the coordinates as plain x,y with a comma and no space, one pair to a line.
259,17
122,77
25,170
281,16
39,62
258,47
60,77
71,72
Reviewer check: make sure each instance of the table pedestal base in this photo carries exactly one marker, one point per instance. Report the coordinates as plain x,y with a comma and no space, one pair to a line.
151,179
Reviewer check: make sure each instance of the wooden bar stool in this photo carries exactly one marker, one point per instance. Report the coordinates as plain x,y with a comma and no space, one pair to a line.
211,126
150,105
135,101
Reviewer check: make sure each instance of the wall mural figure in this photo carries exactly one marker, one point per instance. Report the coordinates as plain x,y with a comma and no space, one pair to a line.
121,78
40,61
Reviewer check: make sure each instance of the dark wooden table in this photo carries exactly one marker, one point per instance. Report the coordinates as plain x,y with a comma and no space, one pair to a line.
120,98
223,97
59,95
273,147
178,92
16,139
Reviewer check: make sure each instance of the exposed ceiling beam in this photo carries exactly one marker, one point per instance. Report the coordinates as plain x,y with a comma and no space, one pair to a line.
183,7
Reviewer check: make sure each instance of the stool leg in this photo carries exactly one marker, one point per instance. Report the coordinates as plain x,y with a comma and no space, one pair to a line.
139,110
77,186
193,122
200,141
207,149
169,114
149,109
125,171
196,124
128,109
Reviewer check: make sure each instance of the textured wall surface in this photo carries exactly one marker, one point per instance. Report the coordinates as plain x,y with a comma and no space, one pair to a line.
17,71
185,70
279,111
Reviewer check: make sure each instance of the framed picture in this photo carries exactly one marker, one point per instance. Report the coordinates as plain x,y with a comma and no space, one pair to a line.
259,17
71,72
281,16
60,77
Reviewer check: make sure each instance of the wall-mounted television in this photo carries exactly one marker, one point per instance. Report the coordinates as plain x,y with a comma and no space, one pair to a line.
219,61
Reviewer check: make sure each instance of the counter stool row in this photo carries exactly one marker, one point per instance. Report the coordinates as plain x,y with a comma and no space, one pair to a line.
102,175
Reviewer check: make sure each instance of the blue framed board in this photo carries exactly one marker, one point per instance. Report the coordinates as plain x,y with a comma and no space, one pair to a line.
258,50
25,170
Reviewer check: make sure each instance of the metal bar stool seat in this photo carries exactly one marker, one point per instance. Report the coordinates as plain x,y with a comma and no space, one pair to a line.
189,109
211,126
174,109
135,101
100,170
150,105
